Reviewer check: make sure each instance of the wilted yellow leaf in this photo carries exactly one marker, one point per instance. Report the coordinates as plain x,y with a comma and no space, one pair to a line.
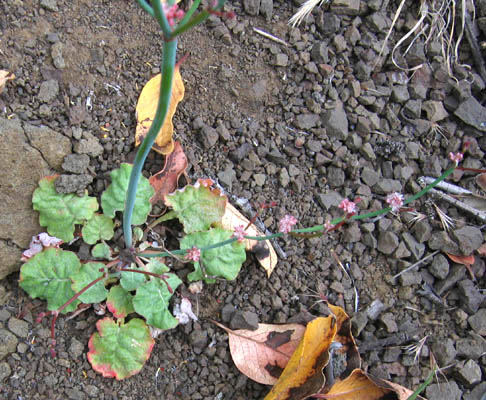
4,77
146,107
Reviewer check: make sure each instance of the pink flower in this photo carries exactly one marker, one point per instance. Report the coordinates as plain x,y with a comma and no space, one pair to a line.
328,225
348,206
456,157
239,233
286,223
193,254
395,200
172,13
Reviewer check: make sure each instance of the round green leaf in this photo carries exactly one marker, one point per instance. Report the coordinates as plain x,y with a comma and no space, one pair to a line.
60,212
132,280
224,261
197,207
48,275
119,302
87,274
101,250
97,228
152,301
113,198
157,267
120,350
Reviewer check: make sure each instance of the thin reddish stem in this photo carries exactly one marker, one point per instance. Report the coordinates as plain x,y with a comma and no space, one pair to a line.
475,170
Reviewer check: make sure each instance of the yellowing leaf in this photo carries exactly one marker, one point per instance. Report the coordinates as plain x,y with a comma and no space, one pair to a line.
303,376
146,107
4,77
262,354
263,250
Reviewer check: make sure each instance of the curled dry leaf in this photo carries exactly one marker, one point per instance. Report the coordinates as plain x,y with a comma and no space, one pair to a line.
263,250
147,106
4,77
467,261
165,181
263,354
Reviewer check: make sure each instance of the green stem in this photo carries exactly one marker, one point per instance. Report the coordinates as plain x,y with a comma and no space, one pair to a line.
168,63
147,7
189,13
315,228
162,19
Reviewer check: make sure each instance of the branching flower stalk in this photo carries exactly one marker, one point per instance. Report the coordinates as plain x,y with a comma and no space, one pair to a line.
157,10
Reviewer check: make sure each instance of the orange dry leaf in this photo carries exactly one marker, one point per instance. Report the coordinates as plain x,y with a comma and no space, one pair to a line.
303,376
4,77
165,181
146,107
467,261
263,250
263,354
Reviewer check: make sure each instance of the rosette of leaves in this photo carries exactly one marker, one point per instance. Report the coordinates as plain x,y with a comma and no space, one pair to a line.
224,262
60,212
113,198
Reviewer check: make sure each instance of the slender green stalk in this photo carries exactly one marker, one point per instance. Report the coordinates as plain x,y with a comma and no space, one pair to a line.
147,7
189,13
162,19
168,64
422,387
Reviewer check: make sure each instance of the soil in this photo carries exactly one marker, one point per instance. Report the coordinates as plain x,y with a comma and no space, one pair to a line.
263,119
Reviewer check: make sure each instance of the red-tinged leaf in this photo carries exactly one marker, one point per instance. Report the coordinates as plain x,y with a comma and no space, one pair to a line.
120,350
263,354
467,261
165,181
119,302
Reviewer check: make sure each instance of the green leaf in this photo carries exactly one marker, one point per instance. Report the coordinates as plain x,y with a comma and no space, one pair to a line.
97,228
157,267
48,275
113,198
137,234
87,274
60,212
224,261
119,302
132,280
101,250
152,301
197,207
120,350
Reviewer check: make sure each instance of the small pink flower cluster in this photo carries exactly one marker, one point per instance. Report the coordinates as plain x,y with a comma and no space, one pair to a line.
193,254
173,13
348,206
239,233
286,223
395,200
456,157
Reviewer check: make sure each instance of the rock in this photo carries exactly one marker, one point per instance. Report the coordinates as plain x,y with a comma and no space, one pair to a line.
89,144
76,163
434,110
346,7
281,60
478,392
328,200
441,241
266,9
336,122
91,390
410,278
244,320
56,54
444,351
209,136
400,94
284,177
352,234
306,121
388,320
252,7
49,5
449,391
76,348
52,145
457,273
48,91
320,53
469,239
240,153
199,340
335,177
470,296
477,322
370,176
22,166
227,312
472,347
19,327
359,322
375,309
5,371
8,343
469,374
387,186
422,231
227,177
472,113
72,183
415,247
328,23
387,242
439,267
367,151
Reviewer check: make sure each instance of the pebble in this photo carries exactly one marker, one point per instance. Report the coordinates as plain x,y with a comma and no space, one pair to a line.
240,153
375,309
477,322
470,296
5,371
449,391
89,144
76,163
48,91
281,60
415,247
336,122
359,322
469,239
444,351
457,273
244,320
56,54
72,183
19,327
434,110
439,267
8,343
469,373
441,241
306,121
387,242
76,348
388,319
199,340
328,200
49,5
209,136
472,347
252,7
227,176
335,177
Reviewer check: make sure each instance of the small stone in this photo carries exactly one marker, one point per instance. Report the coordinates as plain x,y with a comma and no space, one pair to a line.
422,231
199,340
449,391
91,390
375,309
359,322
387,186
260,179
472,113
49,5
240,153
89,144
439,267
48,91
400,94
336,122
435,110
209,136
415,247
441,241
19,327
54,146
306,121
227,177
56,54
469,374
5,371
370,176
470,296
320,53
469,239
352,233
477,322
389,321
244,320
281,60
367,151
252,7
266,9
444,351
472,347
8,343
227,312
328,200
76,163
328,23
76,348
72,183
478,392
284,177
345,7
410,278
387,242
335,177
